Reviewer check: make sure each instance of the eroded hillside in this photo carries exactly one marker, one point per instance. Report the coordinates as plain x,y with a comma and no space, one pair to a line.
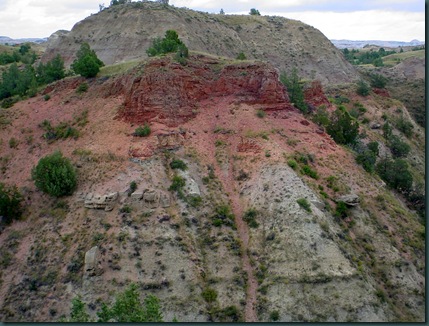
245,225
124,32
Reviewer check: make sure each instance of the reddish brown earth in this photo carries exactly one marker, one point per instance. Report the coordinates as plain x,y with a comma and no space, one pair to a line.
189,106
171,94
315,96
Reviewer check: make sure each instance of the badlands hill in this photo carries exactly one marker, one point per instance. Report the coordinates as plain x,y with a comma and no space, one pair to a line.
253,233
124,32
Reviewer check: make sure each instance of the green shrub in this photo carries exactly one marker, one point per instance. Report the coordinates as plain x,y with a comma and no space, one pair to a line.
61,131
303,202
13,142
129,308
132,188
294,90
142,131
10,203
55,175
177,183
223,215
292,163
87,64
405,126
307,170
373,147
398,147
342,128
194,201
178,164
362,88
396,174
275,315
170,43
378,81
82,88
241,56
209,294
367,159
260,114
47,97
250,217
341,209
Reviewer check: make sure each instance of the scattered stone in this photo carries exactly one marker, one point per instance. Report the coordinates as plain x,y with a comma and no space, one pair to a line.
375,125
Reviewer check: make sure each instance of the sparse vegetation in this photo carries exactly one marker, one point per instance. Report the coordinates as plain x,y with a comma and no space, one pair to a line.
142,131
82,88
250,217
302,202
260,114
126,308
241,56
178,164
10,203
209,294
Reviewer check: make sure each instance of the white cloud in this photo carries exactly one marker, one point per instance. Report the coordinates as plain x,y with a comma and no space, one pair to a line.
41,18
366,25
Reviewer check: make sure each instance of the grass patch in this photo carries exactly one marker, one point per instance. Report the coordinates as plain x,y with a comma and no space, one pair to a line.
118,68
302,202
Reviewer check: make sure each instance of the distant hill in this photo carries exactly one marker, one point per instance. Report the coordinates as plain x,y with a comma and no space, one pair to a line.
124,32
11,41
341,44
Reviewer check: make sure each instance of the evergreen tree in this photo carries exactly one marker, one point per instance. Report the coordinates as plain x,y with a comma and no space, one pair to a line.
55,175
342,128
87,64
51,71
294,90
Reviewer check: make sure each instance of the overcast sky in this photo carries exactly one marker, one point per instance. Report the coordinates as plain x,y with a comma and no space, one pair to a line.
389,20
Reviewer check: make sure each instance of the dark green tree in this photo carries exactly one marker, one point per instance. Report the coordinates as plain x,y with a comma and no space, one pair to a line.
86,64
10,203
378,81
398,147
55,175
367,159
294,90
342,128
396,174
128,308
78,312
387,130
51,71
254,12
170,43
362,88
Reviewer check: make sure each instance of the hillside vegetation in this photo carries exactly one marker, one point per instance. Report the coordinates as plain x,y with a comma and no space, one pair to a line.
198,185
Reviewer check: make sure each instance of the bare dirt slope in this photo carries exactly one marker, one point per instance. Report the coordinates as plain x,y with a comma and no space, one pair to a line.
296,264
124,32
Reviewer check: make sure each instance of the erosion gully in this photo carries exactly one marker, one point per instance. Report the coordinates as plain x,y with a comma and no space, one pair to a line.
228,184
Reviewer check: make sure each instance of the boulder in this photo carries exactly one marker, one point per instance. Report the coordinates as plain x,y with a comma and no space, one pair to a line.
136,196
349,200
91,261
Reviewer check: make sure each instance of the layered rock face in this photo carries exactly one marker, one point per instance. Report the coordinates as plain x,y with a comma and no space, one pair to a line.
149,98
